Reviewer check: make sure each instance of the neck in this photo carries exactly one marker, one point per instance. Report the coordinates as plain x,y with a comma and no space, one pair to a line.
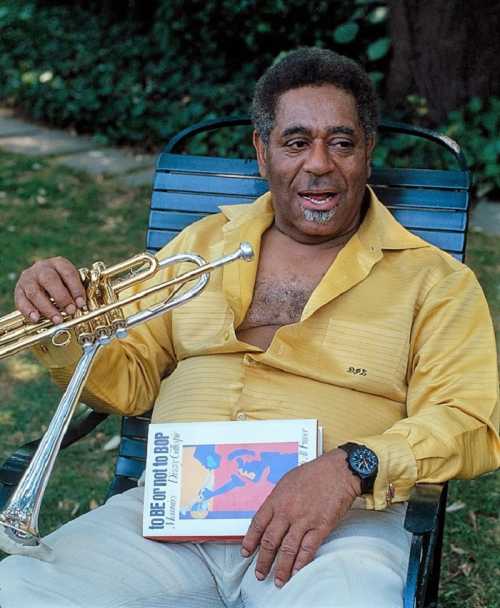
327,243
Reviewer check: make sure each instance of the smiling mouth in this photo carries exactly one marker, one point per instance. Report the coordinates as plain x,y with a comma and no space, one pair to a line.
320,200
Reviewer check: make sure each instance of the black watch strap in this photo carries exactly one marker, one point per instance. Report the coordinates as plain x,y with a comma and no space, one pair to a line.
362,462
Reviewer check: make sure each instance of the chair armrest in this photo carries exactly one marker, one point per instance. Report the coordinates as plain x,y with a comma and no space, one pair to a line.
425,520
423,508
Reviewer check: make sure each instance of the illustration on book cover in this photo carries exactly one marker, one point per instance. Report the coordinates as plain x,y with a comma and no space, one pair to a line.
232,480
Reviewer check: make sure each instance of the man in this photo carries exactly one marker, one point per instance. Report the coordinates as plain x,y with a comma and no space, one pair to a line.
344,317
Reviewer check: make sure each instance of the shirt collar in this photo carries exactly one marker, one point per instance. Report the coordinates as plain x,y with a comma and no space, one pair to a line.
378,231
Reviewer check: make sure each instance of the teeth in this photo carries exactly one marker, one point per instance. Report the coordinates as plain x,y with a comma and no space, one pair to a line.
317,200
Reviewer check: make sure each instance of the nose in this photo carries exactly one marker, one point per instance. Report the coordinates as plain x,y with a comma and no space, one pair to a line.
318,161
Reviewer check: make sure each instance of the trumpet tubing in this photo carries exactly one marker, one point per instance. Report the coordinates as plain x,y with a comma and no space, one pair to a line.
94,328
104,314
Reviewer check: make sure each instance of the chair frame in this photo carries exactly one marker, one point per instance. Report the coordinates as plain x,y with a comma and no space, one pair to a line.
426,507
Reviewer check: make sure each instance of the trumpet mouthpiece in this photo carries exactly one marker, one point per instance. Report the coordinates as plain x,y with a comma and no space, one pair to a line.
246,251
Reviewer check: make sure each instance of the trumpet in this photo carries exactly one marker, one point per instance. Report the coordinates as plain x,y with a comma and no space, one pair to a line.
103,321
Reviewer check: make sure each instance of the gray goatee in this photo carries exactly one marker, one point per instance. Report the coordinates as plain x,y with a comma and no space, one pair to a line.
319,217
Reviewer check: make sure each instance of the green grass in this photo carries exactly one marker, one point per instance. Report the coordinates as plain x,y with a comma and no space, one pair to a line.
47,210
471,564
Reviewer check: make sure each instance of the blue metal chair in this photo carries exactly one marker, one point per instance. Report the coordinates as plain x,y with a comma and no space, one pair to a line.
431,203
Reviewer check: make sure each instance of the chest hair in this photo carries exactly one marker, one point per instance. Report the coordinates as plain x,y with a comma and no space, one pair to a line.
278,301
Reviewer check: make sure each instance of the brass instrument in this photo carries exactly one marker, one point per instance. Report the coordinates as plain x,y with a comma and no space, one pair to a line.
102,322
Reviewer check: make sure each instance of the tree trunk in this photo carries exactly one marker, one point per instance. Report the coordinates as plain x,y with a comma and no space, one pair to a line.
445,51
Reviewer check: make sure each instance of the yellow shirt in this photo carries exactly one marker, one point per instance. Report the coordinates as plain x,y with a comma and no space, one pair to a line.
394,349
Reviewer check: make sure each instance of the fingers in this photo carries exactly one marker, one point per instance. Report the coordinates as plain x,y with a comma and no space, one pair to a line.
71,278
256,529
47,288
311,542
25,306
34,303
290,546
270,543
286,556
296,551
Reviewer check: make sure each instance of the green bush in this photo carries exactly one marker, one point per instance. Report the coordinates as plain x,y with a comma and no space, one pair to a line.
475,128
72,69
77,69
137,82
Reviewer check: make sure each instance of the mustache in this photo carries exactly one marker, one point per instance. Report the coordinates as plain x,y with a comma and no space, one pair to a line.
320,183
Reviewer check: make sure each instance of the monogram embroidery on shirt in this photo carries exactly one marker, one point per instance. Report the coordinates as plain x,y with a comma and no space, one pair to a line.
357,371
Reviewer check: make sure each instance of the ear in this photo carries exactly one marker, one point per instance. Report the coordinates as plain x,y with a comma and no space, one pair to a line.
261,151
370,146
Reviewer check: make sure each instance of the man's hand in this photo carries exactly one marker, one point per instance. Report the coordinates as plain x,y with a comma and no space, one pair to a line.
54,278
301,511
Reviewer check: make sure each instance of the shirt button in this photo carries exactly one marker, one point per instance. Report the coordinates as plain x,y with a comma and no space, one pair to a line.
241,416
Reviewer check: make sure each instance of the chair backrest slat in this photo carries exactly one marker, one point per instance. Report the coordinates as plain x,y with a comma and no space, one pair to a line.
195,202
213,184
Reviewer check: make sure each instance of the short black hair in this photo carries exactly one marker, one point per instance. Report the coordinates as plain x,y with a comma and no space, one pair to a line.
311,66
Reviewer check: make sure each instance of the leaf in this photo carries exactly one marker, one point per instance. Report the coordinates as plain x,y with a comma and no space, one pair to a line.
465,568
93,504
378,15
458,505
346,32
473,520
376,76
111,444
457,550
358,13
475,105
483,190
492,170
378,49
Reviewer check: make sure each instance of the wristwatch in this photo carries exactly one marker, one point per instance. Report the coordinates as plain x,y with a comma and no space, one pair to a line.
363,462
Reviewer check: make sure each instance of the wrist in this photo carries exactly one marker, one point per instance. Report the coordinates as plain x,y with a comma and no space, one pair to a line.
350,480
363,464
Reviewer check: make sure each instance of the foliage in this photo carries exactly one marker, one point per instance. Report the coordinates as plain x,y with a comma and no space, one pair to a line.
158,68
475,128
77,69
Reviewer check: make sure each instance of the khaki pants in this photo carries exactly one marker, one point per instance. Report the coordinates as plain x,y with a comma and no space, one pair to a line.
102,561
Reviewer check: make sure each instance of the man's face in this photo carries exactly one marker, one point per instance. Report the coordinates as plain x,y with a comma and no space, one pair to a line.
317,163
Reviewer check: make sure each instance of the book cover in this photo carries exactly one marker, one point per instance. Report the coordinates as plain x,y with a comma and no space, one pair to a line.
206,480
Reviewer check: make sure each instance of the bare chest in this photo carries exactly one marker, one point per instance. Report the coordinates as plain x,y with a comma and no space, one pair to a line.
286,277
278,300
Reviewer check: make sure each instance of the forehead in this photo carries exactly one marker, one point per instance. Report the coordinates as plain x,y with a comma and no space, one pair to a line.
315,108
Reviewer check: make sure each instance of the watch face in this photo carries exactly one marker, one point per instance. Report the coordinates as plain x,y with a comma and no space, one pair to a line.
364,461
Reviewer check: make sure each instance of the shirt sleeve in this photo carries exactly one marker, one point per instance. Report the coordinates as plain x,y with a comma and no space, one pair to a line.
451,429
126,374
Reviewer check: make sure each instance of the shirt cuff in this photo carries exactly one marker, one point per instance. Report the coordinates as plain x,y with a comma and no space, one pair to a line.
397,470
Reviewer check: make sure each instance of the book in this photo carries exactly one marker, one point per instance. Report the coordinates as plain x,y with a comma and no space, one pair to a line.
206,480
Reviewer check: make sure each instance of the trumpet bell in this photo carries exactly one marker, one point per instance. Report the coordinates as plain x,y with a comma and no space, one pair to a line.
19,542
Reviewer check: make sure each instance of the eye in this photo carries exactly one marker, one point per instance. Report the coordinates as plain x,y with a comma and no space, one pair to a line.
296,144
342,143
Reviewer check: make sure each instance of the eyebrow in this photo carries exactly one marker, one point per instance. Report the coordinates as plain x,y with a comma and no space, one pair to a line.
301,130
